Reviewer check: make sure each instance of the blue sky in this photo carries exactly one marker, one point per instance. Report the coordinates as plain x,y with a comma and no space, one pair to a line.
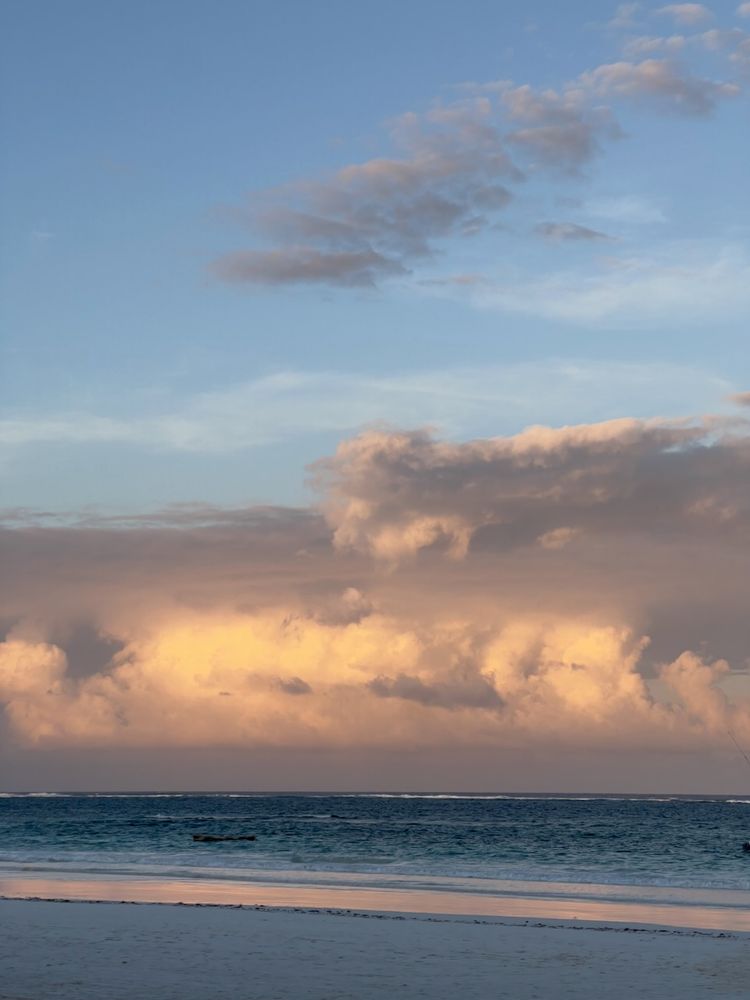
163,341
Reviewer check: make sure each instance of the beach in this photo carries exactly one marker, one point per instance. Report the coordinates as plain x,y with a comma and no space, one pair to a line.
113,951
366,896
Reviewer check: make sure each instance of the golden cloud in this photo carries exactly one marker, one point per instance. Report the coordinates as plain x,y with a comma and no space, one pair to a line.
547,589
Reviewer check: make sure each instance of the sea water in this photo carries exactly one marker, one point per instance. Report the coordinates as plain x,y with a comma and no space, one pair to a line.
687,843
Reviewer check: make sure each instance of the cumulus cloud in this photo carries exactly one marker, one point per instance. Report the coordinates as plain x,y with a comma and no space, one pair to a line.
209,682
541,589
392,495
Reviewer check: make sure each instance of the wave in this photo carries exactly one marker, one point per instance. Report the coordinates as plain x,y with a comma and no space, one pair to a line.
461,796
529,797
35,795
520,880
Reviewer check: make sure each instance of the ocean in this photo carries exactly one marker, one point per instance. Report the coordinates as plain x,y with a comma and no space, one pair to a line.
687,843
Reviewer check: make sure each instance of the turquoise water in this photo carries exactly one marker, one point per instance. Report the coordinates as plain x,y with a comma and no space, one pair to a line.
646,841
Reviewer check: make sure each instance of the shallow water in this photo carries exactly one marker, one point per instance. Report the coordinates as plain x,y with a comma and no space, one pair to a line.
583,840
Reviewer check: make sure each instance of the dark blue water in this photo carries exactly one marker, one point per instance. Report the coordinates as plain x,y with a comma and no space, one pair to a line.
676,841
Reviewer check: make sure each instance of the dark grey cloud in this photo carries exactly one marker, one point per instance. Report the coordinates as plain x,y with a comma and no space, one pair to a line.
294,686
88,651
467,690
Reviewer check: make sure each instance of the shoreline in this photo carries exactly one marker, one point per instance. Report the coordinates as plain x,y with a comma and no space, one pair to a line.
425,918
730,916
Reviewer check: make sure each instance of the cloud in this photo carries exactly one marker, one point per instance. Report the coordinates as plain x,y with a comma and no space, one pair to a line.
625,209
558,538
367,220
648,45
294,265
450,171
744,10
294,686
569,232
543,589
680,285
559,128
293,404
467,689
625,15
661,81
391,495
557,684
686,13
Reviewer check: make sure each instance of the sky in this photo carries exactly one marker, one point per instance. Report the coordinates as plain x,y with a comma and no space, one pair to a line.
374,396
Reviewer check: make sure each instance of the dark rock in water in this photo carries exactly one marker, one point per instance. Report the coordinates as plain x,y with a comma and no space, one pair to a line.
210,838
746,847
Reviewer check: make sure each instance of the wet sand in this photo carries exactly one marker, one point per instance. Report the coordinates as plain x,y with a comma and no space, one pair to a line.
111,951
733,915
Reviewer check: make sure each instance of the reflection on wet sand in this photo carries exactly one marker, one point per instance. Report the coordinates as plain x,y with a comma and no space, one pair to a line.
415,901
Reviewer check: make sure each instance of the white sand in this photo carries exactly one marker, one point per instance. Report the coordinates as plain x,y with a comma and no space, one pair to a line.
119,951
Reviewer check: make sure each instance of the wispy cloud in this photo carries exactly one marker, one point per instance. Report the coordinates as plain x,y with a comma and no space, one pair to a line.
626,16
677,286
459,401
649,45
624,209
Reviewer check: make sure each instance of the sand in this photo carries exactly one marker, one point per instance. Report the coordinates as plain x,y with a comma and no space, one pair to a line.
114,951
